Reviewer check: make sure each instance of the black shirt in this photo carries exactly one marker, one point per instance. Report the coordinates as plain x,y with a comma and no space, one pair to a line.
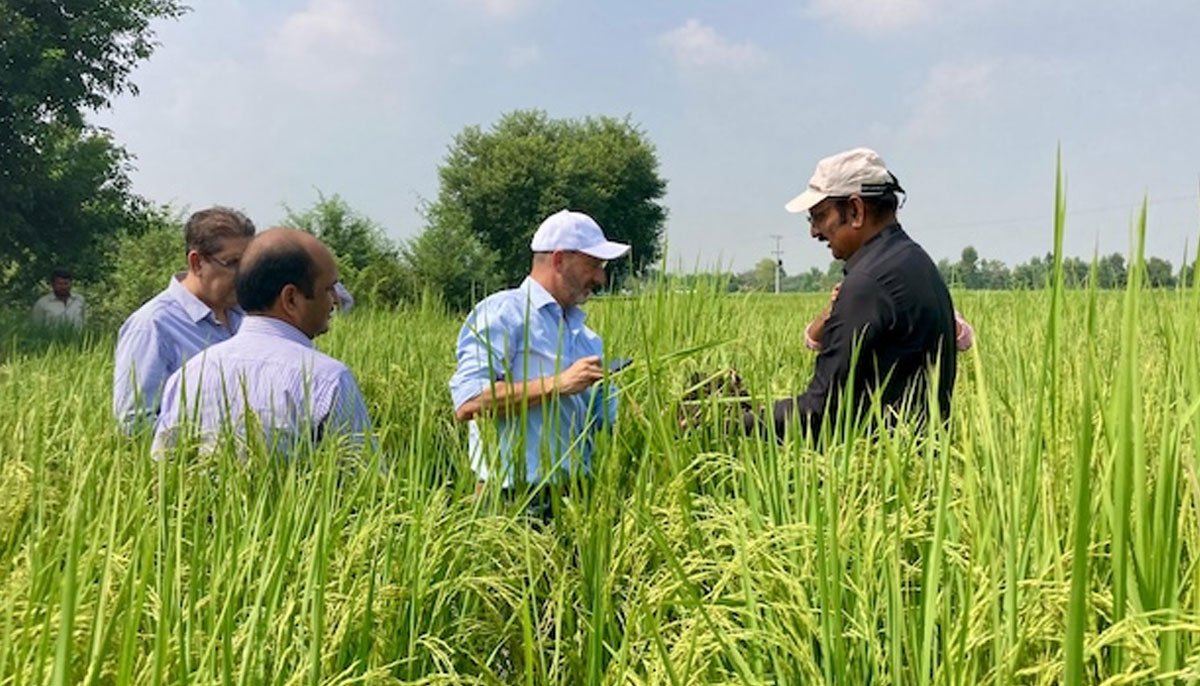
894,300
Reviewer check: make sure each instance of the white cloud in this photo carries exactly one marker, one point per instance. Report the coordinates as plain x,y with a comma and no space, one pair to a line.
874,16
523,55
499,8
328,42
694,45
957,94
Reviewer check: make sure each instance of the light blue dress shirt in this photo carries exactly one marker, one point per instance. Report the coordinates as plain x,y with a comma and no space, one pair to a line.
155,341
521,334
295,392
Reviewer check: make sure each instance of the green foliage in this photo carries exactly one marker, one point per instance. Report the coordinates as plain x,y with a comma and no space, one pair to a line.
501,183
693,557
64,193
355,239
141,265
448,260
368,263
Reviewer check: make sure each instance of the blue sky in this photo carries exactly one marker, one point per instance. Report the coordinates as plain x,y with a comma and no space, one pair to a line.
255,104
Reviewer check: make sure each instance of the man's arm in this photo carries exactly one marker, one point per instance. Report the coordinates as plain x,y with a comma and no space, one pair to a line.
859,315
139,373
816,328
481,381
503,397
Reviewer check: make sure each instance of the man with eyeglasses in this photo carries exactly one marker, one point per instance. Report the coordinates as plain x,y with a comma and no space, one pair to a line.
197,309
892,305
527,361
270,379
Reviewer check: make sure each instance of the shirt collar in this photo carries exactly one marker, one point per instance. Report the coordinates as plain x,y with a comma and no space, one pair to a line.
870,245
539,297
270,326
194,307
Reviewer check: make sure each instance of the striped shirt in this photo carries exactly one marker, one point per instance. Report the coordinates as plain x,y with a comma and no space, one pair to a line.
518,335
272,371
155,341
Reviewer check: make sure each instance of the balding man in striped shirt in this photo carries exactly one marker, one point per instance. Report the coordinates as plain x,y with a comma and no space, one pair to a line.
269,375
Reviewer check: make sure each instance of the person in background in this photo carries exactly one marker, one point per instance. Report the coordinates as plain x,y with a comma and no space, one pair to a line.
527,360
892,306
270,369
59,307
344,299
198,308
964,334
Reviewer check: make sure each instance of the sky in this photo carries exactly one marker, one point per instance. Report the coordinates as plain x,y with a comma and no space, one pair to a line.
263,104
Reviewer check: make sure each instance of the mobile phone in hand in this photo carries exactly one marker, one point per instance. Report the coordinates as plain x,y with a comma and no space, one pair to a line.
616,364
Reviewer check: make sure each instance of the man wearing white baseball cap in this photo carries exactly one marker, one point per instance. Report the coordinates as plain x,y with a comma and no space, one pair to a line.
526,360
892,305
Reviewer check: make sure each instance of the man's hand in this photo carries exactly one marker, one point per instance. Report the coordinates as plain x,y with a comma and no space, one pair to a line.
579,376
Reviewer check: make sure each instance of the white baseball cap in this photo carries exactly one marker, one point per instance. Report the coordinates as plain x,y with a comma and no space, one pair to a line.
566,230
860,171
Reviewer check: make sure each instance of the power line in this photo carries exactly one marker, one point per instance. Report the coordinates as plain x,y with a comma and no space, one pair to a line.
1070,213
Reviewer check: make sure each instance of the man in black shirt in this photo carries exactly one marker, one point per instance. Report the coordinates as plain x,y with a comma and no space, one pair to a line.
893,303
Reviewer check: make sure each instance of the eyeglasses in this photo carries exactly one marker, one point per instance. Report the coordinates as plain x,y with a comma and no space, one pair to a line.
228,264
594,261
837,201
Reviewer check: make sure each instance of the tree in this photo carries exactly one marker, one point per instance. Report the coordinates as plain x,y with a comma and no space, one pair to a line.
1159,273
1110,271
64,191
450,261
140,265
994,275
503,182
967,270
354,238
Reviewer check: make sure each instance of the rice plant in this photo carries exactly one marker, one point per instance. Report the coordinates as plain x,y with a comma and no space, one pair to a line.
1050,533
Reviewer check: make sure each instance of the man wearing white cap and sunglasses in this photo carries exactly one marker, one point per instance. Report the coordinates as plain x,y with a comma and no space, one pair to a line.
526,359
892,302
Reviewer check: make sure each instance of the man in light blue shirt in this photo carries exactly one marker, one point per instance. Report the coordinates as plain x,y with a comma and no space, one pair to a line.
527,360
198,308
269,376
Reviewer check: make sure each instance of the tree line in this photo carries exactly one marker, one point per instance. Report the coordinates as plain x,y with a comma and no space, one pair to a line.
971,273
66,198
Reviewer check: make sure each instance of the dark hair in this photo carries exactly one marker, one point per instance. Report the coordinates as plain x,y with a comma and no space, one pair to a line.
61,273
261,279
883,204
206,230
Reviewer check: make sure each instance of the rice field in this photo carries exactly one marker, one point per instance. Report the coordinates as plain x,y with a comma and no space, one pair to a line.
1050,535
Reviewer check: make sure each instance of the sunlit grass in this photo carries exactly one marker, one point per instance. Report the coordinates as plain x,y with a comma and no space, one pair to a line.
1050,535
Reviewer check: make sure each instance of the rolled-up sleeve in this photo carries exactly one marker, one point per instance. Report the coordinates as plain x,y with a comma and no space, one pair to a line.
482,352
142,366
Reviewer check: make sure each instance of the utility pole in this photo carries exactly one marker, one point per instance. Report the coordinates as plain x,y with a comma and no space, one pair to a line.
778,253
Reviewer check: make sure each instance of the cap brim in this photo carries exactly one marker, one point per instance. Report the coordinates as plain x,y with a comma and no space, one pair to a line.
804,201
608,250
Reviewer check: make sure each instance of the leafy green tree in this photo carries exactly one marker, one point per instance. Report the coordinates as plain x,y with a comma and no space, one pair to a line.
1159,273
450,261
1110,271
64,191
354,238
993,275
140,265
967,270
501,183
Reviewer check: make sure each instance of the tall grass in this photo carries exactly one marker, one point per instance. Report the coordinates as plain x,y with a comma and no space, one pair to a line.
1050,534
